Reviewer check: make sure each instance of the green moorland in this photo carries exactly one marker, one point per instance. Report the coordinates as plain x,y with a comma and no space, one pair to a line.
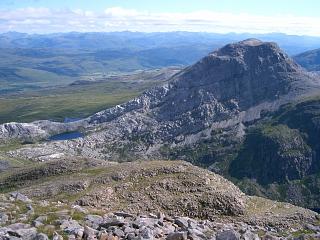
78,102
75,100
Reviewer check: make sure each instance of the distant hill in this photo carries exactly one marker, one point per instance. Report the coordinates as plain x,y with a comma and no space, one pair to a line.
22,69
141,41
33,61
309,60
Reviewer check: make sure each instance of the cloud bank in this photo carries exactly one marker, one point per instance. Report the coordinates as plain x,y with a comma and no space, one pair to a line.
44,20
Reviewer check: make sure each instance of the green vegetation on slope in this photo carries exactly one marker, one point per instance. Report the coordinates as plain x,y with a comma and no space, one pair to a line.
279,157
80,99
73,103
272,153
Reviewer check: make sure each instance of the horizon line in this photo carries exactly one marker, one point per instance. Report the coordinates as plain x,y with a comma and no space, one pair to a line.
151,32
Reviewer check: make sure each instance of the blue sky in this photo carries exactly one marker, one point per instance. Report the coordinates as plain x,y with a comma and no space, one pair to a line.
271,7
288,16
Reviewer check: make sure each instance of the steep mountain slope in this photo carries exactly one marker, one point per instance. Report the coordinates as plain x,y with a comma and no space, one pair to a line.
281,153
309,60
204,114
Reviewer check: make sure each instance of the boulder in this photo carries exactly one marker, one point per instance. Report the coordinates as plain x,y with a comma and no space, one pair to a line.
177,236
228,235
20,197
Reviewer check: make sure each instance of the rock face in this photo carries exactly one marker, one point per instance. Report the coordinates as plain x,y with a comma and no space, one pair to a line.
31,132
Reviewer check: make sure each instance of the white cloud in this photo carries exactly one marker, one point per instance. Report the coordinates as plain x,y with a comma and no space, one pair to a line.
44,20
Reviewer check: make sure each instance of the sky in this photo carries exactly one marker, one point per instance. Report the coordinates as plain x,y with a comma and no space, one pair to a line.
299,17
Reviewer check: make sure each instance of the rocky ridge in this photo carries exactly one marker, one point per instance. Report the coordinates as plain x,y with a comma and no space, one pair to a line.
225,90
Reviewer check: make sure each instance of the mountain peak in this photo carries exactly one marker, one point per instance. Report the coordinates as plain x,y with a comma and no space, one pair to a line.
239,49
251,42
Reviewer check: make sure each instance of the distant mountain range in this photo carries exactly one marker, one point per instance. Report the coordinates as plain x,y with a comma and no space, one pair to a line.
34,61
137,41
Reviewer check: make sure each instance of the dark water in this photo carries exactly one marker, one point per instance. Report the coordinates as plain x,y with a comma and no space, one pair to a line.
66,136
316,210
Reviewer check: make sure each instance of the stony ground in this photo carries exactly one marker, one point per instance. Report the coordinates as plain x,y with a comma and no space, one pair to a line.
86,199
40,220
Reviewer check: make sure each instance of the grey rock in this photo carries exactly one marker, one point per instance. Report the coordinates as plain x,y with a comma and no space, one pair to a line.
41,236
182,222
269,237
30,209
70,226
93,220
3,231
250,236
24,233
228,235
112,222
72,237
42,219
128,230
20,197
123,214
168,228
312,227
177,236
130,236
37,223
196,234
56,236
160,215
3,218
144,221
11,238
88,233
118,232
146,233
80,209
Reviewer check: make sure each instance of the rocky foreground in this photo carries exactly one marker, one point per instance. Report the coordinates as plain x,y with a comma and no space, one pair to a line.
122,225
89,199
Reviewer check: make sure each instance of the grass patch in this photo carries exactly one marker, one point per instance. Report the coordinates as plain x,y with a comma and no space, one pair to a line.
302,232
